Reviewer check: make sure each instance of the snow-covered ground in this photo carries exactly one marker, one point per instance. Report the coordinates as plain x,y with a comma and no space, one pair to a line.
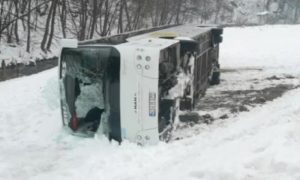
263,143
270,47
16,53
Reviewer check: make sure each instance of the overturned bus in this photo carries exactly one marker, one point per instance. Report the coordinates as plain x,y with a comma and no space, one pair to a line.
132,86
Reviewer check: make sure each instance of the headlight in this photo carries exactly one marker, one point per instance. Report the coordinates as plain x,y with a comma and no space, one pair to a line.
148,58
139,57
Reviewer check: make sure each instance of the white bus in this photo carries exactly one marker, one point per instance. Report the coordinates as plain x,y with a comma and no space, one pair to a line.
133,86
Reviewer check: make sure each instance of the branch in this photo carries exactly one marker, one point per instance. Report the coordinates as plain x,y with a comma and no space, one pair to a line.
23,15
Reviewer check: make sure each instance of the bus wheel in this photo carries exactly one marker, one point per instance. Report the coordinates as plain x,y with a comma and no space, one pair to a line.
215,79
166,123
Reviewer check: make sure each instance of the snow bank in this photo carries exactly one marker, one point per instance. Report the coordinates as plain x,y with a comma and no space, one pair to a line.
261,144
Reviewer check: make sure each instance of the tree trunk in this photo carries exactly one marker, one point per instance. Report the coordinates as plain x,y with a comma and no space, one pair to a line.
83,19
52,26
63,15
179,4
28,27
163,13
6,20
296,16
16,23
1,16
128,26
218,10
120,23
45,37
267,6
106,18
137,15
93,19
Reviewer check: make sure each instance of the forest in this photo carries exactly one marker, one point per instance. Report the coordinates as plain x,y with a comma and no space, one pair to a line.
47,20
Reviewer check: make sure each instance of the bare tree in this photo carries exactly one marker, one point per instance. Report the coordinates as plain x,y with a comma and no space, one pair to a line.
94,16
46,33
16,27
52,25
5,25
120,19
63,17
28,27
296,15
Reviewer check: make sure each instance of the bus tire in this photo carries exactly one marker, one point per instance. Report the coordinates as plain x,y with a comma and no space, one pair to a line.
215,80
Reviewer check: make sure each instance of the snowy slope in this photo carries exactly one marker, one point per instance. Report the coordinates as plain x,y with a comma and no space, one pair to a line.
262,46
260,144
16,53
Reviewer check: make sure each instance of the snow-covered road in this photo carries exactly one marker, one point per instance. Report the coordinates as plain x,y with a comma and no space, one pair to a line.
263,143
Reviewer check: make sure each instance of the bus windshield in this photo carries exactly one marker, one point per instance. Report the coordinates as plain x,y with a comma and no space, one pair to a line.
90,86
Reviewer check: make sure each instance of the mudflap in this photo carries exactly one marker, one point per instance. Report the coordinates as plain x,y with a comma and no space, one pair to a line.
167,116
185,104
166,134
214,79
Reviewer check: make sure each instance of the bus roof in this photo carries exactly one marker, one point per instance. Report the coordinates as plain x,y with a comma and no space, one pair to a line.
186,31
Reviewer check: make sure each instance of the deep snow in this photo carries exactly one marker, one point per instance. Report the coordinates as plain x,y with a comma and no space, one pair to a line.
263,143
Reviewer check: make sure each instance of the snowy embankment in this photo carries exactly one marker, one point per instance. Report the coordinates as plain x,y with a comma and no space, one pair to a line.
263,143
16,53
